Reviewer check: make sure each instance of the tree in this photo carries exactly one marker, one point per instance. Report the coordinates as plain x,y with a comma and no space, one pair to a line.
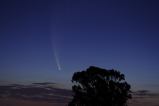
99,87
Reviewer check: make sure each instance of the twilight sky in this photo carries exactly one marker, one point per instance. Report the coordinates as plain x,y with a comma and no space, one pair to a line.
39,37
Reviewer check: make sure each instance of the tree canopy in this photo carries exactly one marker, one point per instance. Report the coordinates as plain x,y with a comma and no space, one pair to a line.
100,87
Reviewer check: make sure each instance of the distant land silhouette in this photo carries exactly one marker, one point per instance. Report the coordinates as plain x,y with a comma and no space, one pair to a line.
36,91
45,94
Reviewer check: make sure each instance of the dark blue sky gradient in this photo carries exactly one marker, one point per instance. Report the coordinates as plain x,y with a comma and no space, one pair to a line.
119,34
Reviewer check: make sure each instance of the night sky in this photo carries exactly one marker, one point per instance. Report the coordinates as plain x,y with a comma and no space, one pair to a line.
49,40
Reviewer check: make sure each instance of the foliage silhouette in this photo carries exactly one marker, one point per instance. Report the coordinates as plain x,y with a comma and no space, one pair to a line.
99,87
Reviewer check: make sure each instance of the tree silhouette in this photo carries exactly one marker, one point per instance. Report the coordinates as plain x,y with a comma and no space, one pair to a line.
99,87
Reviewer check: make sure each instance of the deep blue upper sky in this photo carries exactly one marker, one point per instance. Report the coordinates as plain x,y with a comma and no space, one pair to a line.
119,34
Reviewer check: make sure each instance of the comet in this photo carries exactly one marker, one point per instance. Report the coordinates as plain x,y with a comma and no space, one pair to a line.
55,52
57,60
